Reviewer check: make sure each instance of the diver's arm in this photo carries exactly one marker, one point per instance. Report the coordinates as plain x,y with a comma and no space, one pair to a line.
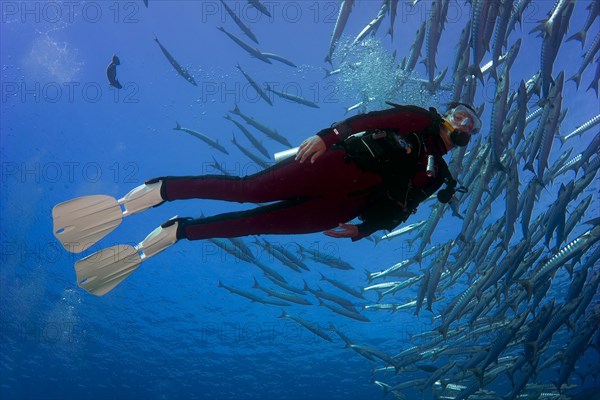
403,120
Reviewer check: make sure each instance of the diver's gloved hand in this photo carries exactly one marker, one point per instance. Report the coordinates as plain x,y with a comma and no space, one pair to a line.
343,231
446,194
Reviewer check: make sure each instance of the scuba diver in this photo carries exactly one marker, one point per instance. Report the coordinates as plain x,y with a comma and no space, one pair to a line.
377,166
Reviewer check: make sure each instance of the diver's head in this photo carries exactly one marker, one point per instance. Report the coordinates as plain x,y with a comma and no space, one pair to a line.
462,121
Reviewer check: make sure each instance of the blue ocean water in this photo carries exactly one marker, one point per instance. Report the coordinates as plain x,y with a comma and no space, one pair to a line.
169,331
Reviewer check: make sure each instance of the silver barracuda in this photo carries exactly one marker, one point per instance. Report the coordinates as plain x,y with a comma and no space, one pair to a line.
500,36
281,59
255,142
282,295
250,155
551,126
342,286
240,23
308,325
271,133
260,7
415,49
208,140
580,130
372,26
340,24
178,67
345,312
251,296
255,85
587,60
294,98
253,51
331,297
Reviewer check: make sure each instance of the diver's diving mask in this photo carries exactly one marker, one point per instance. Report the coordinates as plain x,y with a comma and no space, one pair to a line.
464,119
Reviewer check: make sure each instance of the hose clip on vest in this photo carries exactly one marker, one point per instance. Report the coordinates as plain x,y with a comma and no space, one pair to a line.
430,170
404,144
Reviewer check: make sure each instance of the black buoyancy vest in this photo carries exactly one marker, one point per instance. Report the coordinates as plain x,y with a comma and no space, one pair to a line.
384,151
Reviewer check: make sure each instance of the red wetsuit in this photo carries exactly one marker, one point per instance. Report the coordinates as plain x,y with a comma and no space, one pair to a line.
372,179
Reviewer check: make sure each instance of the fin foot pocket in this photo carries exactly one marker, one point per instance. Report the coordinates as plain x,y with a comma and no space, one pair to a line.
142,198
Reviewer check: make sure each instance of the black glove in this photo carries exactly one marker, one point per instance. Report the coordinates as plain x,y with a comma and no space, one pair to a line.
446,194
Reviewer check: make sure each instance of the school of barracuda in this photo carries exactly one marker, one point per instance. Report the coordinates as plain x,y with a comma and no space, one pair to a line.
504,323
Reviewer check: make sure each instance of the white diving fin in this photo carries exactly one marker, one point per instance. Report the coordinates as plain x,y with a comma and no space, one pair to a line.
100,272
81,222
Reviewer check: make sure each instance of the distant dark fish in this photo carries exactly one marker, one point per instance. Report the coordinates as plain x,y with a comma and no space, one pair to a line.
146,3
181,70
260,7
111,72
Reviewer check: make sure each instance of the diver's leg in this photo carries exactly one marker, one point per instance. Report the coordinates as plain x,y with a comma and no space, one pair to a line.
286,217
330,175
